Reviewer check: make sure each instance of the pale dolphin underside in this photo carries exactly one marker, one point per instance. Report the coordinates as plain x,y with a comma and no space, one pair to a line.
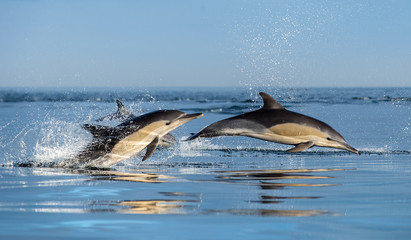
274,123
111,145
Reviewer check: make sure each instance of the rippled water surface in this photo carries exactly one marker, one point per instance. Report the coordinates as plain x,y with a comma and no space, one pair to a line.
228,187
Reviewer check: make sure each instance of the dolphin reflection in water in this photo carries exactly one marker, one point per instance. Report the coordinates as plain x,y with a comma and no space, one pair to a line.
274,123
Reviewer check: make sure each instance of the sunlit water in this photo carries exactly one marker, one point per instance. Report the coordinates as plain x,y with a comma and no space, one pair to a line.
222,188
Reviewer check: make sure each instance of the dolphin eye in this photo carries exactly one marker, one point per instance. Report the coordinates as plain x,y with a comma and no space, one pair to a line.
329,139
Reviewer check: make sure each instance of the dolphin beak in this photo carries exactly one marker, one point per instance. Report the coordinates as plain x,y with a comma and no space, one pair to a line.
192,137
349,148
185,118
345,146
192,116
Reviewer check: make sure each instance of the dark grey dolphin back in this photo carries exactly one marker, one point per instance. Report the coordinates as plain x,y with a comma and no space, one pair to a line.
160,115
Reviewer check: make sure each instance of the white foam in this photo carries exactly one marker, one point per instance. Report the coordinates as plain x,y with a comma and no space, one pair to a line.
58,140
194,148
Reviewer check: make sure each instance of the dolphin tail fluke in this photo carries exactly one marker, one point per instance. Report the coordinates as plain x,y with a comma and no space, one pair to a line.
151,148
301,147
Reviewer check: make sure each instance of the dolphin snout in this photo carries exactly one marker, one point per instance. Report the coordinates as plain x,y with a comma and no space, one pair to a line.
349,148
193,136
345,146
193,115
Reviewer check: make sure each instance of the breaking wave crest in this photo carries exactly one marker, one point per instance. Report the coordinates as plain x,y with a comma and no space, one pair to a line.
208,95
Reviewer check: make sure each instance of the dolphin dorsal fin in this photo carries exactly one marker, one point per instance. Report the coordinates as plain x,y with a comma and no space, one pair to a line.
123,114
122,109
270,102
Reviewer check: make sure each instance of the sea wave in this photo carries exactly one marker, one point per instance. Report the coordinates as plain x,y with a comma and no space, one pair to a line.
237,96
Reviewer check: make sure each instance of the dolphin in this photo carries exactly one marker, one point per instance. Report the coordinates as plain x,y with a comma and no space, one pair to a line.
274,123
123,114
111,145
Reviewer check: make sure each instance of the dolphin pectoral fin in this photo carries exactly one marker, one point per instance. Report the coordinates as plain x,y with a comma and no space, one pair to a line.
151,148
301,147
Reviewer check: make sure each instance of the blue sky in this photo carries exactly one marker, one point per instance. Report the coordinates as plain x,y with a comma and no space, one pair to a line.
205,43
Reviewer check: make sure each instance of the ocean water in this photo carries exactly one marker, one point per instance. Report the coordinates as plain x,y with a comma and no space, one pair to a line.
220,188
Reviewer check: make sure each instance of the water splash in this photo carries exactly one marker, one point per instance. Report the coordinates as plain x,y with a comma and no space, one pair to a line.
265,54
192,148
41,143
58,140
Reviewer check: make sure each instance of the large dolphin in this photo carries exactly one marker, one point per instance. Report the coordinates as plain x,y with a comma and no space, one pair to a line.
111,145
274,123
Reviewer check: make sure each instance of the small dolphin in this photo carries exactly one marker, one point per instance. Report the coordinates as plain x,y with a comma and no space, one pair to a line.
123,114
111,145
276,124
